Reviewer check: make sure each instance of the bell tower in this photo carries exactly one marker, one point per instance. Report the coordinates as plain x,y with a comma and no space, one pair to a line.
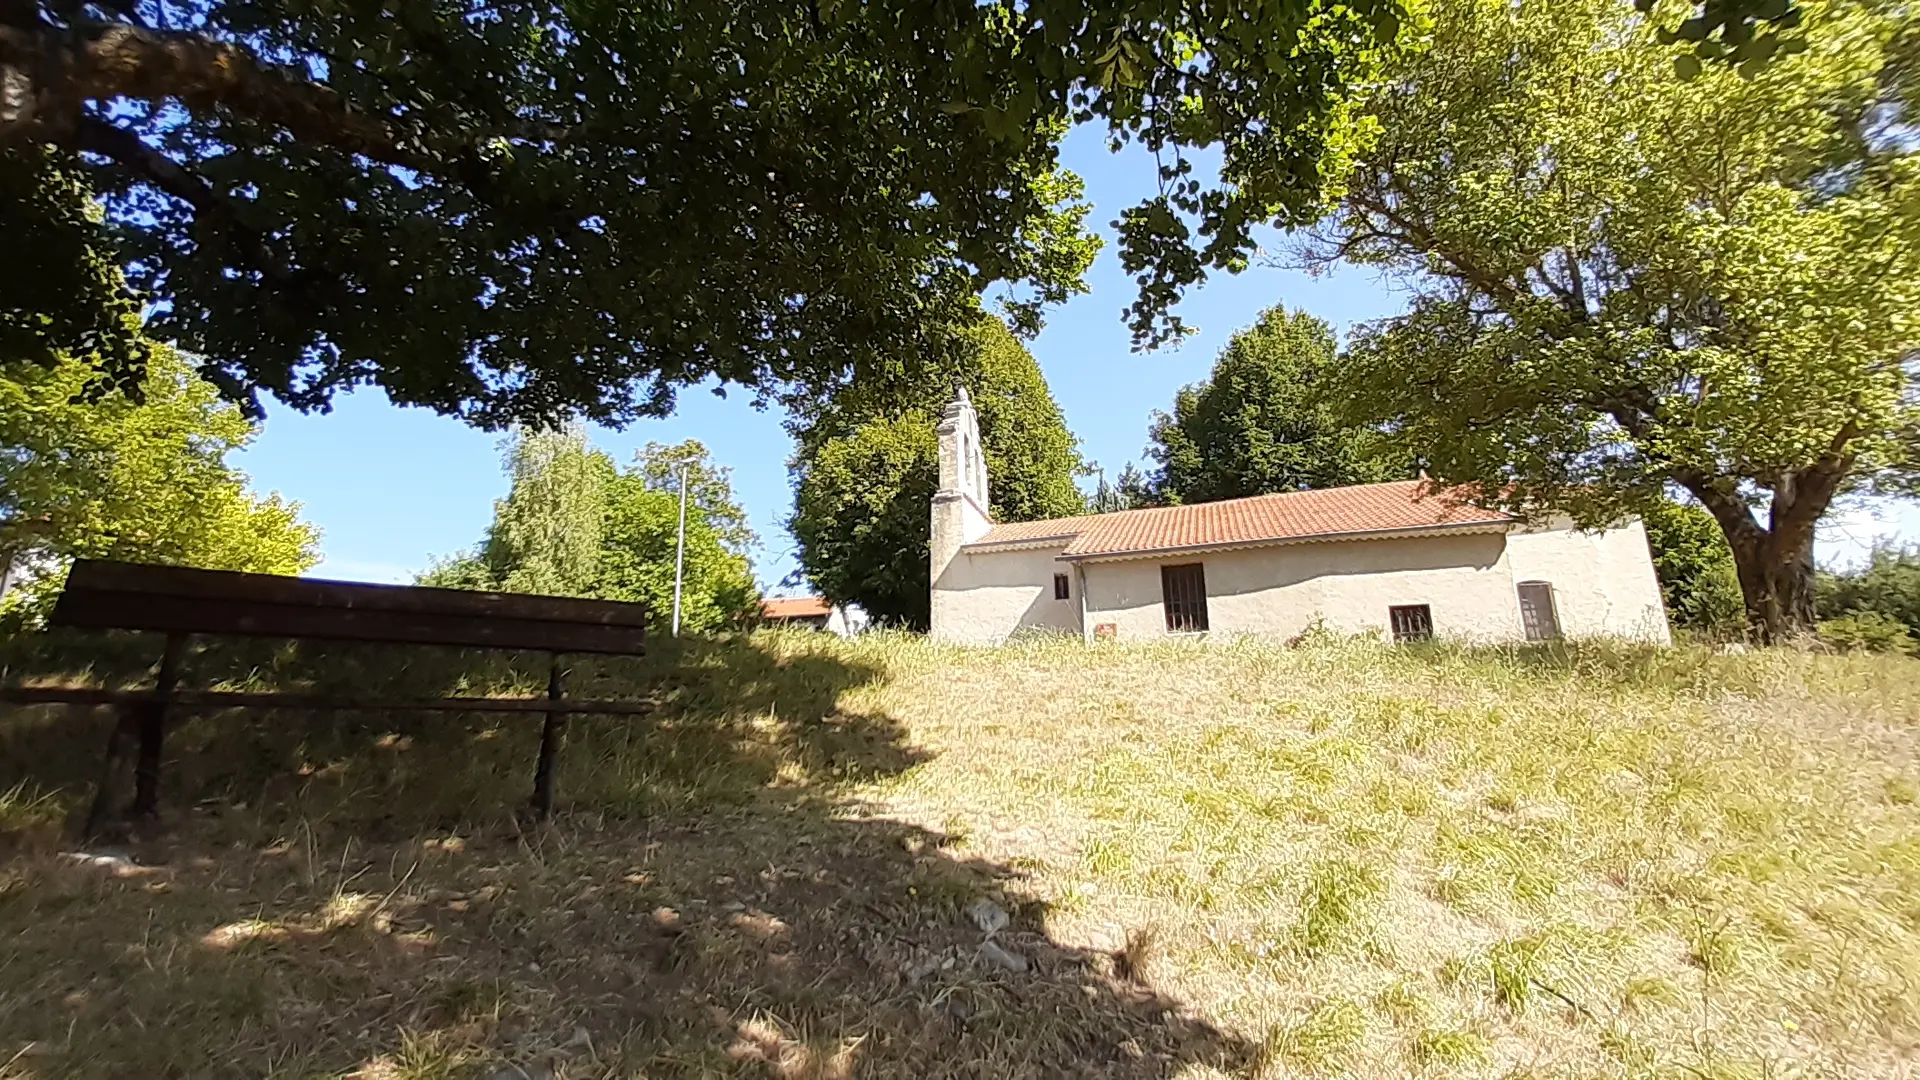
960,503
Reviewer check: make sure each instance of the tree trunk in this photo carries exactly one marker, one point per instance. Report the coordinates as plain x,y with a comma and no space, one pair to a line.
1775,561
1777,585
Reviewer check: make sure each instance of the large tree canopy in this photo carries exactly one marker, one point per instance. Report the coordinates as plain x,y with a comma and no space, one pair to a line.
867,466
862,503
574,524
546,534
1626,281
62,293
512,210
148,481
1260,423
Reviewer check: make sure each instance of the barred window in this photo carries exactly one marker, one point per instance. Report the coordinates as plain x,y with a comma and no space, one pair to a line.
1411,622
1183,592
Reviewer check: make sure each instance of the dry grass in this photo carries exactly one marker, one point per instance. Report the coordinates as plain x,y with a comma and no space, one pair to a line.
1340,860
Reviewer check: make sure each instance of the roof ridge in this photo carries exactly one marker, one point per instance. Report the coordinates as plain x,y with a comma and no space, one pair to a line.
1226,502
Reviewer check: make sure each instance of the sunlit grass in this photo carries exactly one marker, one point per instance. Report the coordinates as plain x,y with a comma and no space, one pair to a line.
1592,860
1352,859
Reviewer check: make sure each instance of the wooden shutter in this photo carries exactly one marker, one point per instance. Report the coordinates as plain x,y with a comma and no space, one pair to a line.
1411,622
1537,612
1183,592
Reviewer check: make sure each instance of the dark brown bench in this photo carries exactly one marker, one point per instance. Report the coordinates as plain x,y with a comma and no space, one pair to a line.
180,602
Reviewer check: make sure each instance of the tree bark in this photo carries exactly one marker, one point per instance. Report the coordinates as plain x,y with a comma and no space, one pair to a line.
1774,562
1777,584
49,73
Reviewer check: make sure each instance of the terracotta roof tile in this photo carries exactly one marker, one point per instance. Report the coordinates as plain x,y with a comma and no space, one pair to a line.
795,607
1062,529
1291,515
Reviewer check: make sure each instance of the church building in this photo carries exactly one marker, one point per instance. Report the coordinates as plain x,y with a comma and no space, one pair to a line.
1401,558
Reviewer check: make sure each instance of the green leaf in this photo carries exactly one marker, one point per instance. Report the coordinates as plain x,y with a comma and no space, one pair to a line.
1686,66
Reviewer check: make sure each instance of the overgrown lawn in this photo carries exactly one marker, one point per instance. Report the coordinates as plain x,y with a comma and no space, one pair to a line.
1344,859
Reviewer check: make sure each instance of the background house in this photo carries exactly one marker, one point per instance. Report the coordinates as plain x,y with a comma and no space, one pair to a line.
1402,558
813,612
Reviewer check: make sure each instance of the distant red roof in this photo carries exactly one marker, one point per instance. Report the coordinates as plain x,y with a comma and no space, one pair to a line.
1330,513
795,607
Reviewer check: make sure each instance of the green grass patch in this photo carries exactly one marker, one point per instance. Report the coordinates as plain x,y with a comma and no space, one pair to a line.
1344,859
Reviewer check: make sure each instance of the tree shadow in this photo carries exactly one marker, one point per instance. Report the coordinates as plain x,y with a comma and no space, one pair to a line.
339,892
730,719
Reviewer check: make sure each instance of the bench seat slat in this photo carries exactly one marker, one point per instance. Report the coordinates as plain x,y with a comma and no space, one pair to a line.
138,580
98,609
246,699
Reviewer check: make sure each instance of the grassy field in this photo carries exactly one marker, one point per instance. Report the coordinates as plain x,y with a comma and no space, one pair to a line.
1335,860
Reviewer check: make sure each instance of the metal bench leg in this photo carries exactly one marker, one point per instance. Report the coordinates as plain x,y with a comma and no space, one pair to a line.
117,739
153,732
551,732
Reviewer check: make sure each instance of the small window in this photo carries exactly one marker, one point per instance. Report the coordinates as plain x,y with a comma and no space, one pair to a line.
1183,592
1537,613
1411,622
1060,589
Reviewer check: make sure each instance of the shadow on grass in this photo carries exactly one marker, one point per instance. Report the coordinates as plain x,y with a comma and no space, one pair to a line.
354,894
731,719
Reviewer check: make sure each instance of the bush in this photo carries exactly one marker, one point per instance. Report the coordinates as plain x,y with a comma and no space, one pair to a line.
1868,631
1695,565
1888,585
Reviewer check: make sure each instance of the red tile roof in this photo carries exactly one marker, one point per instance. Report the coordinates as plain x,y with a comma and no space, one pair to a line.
795,607
1289,516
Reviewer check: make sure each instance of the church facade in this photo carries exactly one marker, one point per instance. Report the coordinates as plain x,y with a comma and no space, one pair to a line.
1402,559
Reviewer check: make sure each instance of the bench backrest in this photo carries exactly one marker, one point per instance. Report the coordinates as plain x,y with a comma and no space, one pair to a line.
134,596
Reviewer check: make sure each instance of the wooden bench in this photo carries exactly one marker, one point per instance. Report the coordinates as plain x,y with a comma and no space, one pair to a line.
180,602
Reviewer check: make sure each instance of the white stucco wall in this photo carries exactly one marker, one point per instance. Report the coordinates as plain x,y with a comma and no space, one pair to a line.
1603,584
1278,591
847,620
982,599
959,517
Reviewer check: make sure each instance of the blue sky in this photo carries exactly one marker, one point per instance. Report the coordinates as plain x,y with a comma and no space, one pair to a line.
394,488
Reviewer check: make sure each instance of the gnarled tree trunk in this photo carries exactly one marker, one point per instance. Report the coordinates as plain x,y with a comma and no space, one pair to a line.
1775,561
1776,581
